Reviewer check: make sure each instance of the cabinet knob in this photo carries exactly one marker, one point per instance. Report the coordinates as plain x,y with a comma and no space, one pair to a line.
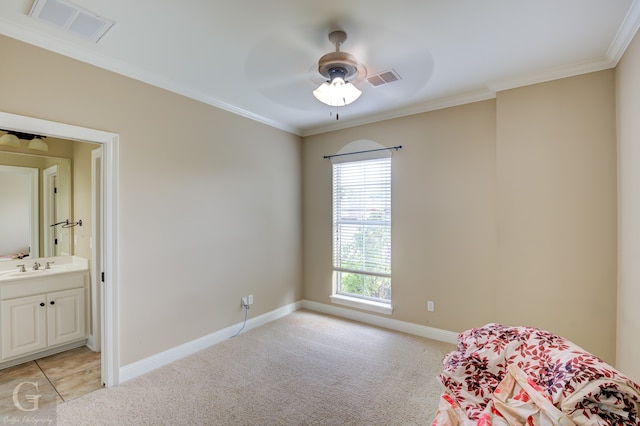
53,302
41,303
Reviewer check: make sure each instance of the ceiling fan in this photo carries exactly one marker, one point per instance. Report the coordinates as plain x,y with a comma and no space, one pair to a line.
288,65
340,69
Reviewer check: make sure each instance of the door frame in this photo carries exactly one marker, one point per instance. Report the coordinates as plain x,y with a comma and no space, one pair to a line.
96,290
49,175
109,142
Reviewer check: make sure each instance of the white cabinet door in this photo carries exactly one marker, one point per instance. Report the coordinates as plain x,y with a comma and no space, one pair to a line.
24,325
66,316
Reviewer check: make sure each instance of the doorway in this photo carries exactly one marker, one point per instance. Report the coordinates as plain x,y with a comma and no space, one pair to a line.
106,202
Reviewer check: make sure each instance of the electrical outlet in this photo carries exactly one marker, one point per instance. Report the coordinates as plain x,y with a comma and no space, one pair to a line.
250,299
431,306
244,301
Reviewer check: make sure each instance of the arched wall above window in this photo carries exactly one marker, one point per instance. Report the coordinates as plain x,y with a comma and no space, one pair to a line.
361,149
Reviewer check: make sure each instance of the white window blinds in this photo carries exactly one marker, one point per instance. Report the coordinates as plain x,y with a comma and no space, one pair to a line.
362,228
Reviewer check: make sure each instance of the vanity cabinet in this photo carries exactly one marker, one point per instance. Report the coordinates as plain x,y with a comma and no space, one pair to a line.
41,314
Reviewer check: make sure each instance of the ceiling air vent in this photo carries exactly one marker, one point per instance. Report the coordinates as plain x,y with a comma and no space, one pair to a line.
73,18
384,77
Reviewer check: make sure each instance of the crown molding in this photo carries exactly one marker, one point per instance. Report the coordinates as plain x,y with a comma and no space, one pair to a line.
76,51
625,34
432,105
553,74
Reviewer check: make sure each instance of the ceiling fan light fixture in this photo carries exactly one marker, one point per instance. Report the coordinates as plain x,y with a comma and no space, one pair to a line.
337,92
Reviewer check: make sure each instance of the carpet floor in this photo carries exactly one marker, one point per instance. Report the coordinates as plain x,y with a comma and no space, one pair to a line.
303,369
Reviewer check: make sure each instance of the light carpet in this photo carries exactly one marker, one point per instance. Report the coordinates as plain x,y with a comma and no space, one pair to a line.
303,369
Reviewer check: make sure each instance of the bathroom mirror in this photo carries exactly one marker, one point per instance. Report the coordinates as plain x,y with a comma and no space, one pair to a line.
19,211
35,193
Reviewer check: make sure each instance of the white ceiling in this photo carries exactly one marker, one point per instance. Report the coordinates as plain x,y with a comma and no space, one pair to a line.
258,58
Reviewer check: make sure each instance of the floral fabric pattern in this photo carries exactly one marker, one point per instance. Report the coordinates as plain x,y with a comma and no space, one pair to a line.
583,387
516,401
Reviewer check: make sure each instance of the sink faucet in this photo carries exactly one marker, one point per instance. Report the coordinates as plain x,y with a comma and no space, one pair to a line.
36,266
21,268
48,265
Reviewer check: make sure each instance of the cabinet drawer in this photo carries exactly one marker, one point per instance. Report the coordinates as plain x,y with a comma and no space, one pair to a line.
42,285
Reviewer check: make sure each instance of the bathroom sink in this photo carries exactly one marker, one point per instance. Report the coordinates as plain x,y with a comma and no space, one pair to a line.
61,267
10,271
27,273
30,273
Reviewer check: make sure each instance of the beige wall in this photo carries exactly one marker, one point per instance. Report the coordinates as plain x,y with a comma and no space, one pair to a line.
443,207
209,202
556,179
628,112
503,211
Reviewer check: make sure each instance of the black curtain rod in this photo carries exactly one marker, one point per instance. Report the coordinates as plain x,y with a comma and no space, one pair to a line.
362,152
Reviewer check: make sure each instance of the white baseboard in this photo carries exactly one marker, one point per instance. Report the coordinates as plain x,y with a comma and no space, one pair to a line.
138,368
393,324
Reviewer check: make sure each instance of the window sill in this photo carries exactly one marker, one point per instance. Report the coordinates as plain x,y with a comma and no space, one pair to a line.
366,305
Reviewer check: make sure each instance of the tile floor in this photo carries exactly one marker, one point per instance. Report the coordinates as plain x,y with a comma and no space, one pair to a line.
59,378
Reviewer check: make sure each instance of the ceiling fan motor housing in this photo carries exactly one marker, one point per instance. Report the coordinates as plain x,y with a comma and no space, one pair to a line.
338,64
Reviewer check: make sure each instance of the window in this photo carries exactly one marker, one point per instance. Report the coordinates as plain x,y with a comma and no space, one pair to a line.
362,229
